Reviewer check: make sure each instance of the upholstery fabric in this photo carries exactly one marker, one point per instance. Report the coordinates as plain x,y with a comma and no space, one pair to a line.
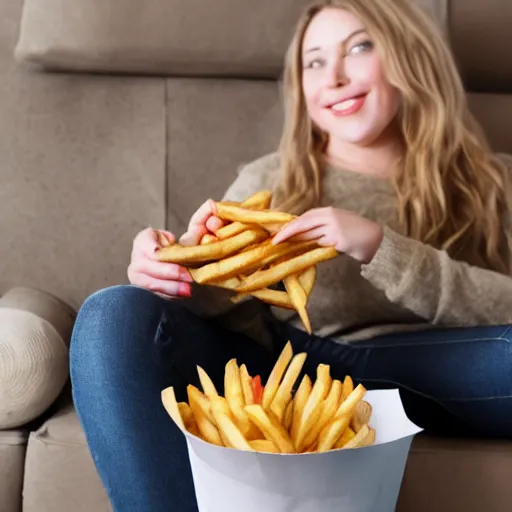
34,340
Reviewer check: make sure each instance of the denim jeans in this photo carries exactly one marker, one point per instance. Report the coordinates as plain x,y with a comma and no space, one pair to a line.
128,344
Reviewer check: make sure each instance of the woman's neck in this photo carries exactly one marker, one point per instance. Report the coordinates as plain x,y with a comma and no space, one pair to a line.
379,159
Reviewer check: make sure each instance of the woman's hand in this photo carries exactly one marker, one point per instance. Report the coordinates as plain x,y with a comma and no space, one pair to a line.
168,279
201,223
348,232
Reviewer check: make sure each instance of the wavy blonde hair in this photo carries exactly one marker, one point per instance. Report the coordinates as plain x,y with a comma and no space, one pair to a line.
451,189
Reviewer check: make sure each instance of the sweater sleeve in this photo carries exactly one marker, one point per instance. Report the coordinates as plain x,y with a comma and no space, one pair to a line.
439,289
210,301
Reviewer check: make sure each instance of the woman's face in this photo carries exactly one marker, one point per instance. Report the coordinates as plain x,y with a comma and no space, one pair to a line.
345,88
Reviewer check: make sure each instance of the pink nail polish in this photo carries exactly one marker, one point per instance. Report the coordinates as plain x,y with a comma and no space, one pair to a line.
185,290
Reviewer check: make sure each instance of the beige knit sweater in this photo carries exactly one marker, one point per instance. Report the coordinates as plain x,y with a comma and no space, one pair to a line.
407,286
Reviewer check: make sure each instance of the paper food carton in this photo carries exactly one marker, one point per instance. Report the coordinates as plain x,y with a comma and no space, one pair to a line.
362,479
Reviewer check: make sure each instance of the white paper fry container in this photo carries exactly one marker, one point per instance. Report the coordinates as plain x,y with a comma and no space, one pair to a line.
357,480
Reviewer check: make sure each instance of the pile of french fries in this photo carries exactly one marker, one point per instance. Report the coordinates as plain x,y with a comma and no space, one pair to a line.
319,416
240,256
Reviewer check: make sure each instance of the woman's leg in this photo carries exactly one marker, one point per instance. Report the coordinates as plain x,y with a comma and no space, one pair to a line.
128,344
452,381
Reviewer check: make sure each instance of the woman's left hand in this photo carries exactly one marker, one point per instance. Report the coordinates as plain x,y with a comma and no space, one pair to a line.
348,232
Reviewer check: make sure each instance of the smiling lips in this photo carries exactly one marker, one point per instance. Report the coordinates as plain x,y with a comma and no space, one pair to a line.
347,107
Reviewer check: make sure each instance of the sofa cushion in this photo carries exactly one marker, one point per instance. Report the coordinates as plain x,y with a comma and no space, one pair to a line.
445,475
83,170
240,38
222,37
442,474
60,475
35,329
494,112
33,366
12,460
214,127
481,39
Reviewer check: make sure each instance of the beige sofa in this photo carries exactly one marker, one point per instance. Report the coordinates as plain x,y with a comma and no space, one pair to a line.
123,114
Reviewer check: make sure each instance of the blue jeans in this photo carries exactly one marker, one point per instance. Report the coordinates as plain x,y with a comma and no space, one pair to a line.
128,344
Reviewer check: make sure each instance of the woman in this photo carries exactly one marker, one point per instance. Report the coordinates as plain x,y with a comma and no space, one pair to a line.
380,158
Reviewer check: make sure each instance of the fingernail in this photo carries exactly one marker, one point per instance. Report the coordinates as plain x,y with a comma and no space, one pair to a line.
185,276
185,290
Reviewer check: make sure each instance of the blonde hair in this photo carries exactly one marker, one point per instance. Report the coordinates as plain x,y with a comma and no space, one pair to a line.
450,187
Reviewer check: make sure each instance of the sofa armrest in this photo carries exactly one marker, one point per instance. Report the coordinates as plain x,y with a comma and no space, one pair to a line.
35,330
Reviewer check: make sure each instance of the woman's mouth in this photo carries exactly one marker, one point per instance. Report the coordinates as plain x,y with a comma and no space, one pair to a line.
349,106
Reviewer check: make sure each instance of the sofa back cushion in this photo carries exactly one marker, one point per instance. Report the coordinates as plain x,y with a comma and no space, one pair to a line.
236,38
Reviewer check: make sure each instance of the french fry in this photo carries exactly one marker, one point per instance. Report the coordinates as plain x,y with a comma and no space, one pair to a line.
370,438
201,401
230,230
271,428
284,392
359,439
298,298
258,201
284,250
194,430
273,275
180,254
276,375
235,398
222,406
237,213
208,238
228,284
205,422
171,406
187,415
348,386
307,279
347,435
361,416
350,403
313,406
245,380
264,446
257,257
230,266
331,433
272,227
288,415
273,297
299,402
226,426
328,411
206,383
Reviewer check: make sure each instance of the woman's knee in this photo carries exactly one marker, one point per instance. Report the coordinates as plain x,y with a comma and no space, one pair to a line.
105,323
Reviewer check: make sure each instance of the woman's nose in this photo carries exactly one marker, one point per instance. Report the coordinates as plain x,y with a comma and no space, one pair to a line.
336,75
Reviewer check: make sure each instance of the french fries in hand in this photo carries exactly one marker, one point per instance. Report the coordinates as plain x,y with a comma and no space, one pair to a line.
240,256
319,416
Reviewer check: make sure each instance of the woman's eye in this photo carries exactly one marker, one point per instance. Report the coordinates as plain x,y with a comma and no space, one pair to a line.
365,46
314,64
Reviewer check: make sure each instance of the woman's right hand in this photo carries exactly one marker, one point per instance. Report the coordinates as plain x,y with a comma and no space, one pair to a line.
165,279
169,279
